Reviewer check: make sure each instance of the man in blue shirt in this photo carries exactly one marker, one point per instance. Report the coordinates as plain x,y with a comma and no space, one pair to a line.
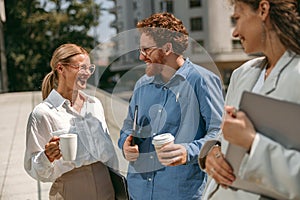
174,96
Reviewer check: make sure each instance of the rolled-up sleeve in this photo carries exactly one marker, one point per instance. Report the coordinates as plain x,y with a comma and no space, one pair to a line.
211,103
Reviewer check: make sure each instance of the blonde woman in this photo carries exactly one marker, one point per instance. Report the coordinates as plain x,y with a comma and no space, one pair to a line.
66,107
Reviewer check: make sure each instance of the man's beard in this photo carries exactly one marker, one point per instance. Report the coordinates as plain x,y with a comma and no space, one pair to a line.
156,65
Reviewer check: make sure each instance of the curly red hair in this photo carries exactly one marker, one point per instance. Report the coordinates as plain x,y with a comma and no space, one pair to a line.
164,28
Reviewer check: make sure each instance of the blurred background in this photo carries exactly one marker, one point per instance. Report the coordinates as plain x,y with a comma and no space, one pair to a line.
31,30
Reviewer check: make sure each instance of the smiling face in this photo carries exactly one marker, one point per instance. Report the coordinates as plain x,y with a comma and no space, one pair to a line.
72,77
151,55
249,28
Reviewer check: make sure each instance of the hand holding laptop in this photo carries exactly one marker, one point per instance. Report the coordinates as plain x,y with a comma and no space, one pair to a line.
273,118
237,128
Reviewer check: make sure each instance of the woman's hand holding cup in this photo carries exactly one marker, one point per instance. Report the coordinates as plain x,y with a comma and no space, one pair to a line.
62,144
52,150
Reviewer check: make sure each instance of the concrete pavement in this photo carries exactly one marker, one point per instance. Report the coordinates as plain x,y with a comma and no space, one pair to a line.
15,184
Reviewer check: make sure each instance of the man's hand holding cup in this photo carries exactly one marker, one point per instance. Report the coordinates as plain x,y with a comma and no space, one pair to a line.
168,153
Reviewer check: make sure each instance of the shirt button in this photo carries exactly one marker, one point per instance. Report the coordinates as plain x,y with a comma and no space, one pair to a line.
151,157
149,179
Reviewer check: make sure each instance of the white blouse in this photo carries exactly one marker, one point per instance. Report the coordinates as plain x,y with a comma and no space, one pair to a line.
55,113
260,81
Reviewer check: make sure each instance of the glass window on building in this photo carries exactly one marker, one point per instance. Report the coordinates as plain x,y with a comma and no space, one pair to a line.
197,46
226,78
134,5
236,44
196,24
166,6
135,21
195,3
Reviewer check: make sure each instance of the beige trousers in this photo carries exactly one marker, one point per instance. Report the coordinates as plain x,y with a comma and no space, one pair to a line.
87,182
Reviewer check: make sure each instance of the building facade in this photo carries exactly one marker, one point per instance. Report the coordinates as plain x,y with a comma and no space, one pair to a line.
208,22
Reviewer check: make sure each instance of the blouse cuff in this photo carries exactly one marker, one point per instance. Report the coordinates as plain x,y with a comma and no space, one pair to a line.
42,159
204,151
254,144
247,157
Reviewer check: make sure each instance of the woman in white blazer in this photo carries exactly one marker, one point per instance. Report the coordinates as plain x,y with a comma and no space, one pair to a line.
270,27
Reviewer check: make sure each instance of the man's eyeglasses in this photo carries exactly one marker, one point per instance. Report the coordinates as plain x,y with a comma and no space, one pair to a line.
83,68
145,51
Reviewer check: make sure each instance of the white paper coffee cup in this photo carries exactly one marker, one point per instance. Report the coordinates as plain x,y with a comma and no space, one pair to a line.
162,139
68,146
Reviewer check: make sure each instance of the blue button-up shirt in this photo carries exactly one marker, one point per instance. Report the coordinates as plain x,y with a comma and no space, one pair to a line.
190,107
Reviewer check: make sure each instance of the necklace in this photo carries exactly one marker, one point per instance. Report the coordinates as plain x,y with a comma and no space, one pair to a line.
266,74
268,70
78,103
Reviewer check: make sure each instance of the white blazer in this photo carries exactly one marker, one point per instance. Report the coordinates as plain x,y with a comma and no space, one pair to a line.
269,164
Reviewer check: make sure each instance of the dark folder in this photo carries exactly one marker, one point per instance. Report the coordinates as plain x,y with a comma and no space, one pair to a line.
277,120
120,184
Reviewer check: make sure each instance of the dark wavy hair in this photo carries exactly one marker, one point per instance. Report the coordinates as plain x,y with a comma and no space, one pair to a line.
285,20
164,28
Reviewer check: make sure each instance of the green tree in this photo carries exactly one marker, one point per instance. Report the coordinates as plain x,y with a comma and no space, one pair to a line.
34,28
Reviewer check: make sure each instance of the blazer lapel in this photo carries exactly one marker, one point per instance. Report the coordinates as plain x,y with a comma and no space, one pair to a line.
271,82
244,81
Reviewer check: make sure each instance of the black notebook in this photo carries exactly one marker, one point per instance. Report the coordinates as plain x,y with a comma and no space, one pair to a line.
120,184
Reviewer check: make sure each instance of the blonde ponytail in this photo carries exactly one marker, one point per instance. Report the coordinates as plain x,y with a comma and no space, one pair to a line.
49,83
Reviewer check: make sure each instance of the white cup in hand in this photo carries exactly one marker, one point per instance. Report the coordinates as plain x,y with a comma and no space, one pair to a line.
68,146
162,139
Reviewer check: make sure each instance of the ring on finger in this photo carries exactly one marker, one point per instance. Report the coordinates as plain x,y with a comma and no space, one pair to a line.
212,170
234,113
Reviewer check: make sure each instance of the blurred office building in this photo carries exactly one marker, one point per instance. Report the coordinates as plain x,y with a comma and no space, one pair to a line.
208,22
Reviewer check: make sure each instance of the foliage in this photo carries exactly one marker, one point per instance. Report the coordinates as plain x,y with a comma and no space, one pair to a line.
34,28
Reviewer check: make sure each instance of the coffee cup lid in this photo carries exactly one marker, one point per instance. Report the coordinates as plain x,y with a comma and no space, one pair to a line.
162,139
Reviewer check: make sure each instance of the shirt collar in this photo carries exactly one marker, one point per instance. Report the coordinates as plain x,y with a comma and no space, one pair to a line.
184,69
181,72
56,100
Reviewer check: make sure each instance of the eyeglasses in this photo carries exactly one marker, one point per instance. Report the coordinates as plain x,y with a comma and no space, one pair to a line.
90,68
145,51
